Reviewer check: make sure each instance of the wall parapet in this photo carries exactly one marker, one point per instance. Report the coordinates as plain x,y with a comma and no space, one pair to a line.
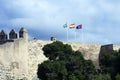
4,37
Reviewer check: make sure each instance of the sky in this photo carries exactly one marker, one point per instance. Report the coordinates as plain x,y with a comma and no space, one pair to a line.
43,19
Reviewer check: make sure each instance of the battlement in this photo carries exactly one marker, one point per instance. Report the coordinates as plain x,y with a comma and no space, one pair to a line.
19,57
14,54
4,37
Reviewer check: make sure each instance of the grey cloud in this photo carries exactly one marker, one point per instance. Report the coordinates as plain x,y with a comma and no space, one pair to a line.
47,17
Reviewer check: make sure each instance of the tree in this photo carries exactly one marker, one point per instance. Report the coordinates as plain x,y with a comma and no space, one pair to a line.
56,50
111,64
102,77
52,70
117,77
64,64
72,77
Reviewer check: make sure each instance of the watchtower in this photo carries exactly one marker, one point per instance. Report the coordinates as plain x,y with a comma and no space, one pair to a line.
3,36
23,33
53,39
105,50
13,34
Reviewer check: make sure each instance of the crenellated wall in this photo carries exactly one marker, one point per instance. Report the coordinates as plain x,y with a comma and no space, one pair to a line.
14,59
19,57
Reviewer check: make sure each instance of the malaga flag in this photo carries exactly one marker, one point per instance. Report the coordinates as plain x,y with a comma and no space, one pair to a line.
79,26
72,26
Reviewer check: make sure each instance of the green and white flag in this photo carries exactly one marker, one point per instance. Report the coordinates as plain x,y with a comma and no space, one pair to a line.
65,25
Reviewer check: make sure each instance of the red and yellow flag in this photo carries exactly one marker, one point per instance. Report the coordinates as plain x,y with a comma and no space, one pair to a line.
72,26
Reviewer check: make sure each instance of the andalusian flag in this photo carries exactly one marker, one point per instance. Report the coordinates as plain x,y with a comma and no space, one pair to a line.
65,25
72,26
79,26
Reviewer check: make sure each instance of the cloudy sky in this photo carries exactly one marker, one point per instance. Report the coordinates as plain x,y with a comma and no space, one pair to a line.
45,18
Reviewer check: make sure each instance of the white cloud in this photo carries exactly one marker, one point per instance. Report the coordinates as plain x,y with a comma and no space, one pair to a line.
98,17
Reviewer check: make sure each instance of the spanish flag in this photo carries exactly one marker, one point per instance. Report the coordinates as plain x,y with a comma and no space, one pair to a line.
72,26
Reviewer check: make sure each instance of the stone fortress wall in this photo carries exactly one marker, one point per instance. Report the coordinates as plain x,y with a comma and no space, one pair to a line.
13,55
89,51
19,57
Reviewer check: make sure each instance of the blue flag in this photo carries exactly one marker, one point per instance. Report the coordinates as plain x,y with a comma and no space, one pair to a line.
79,26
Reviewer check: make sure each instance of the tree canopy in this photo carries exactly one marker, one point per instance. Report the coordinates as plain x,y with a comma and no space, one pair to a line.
64,64
111,64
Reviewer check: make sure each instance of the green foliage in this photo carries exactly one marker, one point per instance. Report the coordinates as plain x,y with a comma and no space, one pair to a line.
111,64
54,70
117,77
64,64
102,77
72,77
56,50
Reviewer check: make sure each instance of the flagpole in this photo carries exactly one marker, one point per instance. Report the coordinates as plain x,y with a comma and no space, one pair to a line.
82,36
67,35
67,31
75,35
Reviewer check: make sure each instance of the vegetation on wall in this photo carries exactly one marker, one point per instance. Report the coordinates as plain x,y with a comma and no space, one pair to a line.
66,64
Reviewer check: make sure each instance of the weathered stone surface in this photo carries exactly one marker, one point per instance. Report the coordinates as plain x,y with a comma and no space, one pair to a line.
19,57
90,51
14,59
